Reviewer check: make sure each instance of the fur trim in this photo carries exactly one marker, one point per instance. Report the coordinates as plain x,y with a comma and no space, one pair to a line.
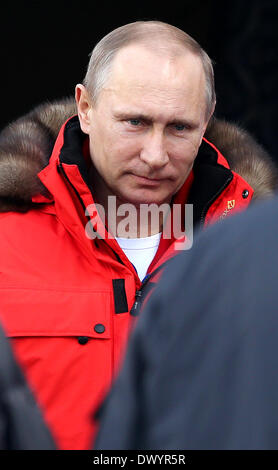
53,115
25,149
245,156
26,146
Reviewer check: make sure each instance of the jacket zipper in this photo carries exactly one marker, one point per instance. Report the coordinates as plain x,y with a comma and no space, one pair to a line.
138,299
139,294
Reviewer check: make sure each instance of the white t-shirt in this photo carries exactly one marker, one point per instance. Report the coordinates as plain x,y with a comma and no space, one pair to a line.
140,251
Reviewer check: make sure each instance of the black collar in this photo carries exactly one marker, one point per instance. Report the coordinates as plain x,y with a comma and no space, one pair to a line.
210,179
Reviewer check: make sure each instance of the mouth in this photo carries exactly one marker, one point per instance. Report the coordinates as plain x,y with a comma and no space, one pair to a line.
148,181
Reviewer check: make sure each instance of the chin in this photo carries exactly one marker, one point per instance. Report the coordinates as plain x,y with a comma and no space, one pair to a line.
144,199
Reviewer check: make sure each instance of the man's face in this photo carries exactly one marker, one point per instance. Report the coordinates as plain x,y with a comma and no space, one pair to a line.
147,125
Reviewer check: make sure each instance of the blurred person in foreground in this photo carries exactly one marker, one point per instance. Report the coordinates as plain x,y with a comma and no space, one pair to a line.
201,367
73,270
21,423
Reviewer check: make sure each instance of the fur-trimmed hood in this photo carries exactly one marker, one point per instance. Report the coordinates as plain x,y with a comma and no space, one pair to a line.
26,146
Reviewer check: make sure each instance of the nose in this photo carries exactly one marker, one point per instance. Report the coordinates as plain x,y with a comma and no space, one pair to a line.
154,153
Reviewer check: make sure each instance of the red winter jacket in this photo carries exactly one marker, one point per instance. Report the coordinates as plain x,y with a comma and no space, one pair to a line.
65,299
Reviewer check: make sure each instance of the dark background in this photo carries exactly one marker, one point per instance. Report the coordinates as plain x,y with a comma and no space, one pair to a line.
45,49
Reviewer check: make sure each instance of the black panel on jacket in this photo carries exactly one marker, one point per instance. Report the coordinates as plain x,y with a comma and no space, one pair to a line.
210,179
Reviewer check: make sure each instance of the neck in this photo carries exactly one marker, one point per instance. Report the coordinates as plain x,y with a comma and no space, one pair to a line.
130,221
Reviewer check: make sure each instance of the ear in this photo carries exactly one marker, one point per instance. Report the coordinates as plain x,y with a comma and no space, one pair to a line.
207,122
84,107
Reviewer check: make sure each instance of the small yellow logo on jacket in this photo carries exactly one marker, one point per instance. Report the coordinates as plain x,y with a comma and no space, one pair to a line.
230,205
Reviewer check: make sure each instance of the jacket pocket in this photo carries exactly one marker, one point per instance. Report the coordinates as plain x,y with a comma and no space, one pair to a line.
38,312
68,374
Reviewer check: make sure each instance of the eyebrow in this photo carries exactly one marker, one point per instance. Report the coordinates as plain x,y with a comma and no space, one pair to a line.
147,118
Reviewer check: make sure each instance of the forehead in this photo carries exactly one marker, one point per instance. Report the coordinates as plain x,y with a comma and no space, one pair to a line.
141,77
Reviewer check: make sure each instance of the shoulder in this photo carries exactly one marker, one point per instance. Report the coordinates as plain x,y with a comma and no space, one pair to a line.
22,229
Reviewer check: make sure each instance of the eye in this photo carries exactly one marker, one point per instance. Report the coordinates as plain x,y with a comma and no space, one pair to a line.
179,127
134,122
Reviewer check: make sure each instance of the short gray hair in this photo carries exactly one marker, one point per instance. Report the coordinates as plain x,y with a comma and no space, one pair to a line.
150,34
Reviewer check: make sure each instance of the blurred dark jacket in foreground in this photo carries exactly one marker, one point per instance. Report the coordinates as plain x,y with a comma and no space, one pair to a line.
21,423
201,370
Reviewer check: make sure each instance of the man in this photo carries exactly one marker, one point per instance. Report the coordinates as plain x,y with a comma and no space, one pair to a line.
71,277
201,368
